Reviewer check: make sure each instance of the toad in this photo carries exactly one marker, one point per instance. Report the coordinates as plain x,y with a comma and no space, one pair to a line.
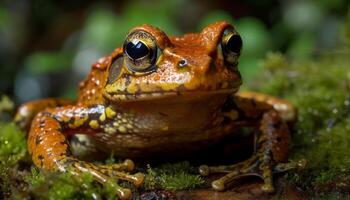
160,94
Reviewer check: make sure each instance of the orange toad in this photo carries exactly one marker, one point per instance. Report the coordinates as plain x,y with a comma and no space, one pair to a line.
160,95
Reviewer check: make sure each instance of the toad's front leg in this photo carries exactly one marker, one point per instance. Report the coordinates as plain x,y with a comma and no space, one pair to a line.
27,111
272,145
48,146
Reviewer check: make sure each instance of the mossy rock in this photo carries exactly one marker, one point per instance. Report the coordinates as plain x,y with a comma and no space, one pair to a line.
321,92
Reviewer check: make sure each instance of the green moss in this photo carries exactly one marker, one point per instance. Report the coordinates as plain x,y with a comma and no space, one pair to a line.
180,181
13,146
12,150
43,185
332,196
174,176
151,182
321,92
65,186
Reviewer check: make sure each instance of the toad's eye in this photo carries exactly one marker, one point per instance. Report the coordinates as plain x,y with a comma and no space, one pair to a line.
234,44
136,50
231,44
140,50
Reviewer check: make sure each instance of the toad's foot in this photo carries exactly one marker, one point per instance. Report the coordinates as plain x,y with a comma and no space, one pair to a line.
49,148
106,174
256,166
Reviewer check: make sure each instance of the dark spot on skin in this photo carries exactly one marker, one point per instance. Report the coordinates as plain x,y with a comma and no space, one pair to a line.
38,140
42,122
41,157
253,100
63,125
71,120
127,79
63,142
65,154
46,114
163,114
271,127
279,139
277,125
212,66
230,105
59,129
82,165
67,162
76,140
226,120
94,112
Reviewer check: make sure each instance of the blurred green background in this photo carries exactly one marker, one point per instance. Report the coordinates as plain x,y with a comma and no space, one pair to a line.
48,46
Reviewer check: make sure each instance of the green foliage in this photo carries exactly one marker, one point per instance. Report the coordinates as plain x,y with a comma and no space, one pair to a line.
48,62
102,31
345,36
256,42
214,16
159,13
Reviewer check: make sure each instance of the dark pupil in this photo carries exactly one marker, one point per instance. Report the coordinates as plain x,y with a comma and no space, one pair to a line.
137,50
234,44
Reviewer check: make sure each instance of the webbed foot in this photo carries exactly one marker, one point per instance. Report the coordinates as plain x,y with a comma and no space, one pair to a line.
107,174
260,166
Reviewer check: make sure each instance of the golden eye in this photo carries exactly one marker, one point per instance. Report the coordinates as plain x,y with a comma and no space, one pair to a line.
137,49
140,50
231,44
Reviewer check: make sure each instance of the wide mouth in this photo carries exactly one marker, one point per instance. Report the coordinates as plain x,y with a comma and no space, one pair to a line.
147,96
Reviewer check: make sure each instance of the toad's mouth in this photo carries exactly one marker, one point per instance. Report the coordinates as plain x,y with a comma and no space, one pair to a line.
166,94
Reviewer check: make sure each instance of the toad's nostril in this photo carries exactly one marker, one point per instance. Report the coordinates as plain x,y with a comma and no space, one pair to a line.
182,63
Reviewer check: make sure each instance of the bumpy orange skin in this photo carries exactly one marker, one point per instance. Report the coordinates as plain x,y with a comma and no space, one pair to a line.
175,108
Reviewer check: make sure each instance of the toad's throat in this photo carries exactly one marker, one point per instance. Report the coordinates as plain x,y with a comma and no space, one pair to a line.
123,96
